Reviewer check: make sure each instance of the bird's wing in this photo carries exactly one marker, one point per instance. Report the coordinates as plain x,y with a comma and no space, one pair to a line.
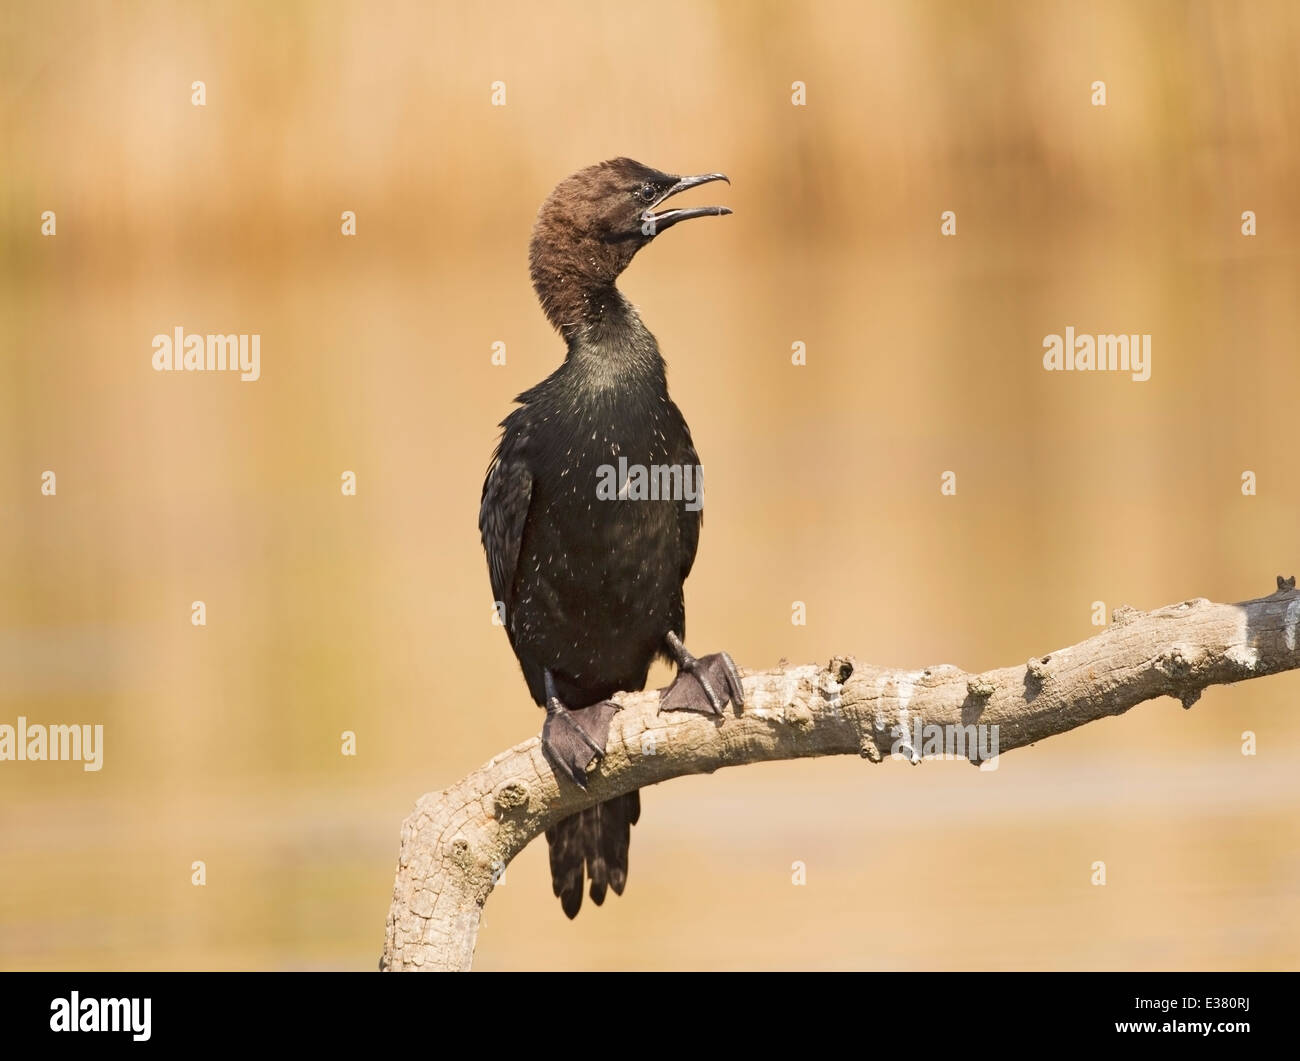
507,494
688,521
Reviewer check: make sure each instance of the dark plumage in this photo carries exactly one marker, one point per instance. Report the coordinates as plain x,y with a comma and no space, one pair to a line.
592,587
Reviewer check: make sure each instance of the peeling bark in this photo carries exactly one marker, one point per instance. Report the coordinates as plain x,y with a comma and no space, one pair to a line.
456,843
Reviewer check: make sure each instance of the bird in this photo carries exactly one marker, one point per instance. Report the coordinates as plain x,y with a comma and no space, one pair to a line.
590,514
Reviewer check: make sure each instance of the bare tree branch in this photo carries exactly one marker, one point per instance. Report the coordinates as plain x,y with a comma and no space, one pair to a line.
456,843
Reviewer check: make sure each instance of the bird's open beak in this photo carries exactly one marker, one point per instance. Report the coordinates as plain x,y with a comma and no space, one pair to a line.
653,221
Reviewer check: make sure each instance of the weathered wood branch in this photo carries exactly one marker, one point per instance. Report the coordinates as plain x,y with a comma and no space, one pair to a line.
456,843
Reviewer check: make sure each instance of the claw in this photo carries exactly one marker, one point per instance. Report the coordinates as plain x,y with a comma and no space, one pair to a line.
696,671
555,708
573,739
695,687
734,684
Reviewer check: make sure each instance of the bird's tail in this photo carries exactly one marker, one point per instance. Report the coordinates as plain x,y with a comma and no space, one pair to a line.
595,839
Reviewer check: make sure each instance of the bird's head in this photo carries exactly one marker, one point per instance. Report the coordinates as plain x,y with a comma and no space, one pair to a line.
594,222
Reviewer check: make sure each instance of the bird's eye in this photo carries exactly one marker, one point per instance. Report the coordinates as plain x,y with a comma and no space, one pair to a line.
648,193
